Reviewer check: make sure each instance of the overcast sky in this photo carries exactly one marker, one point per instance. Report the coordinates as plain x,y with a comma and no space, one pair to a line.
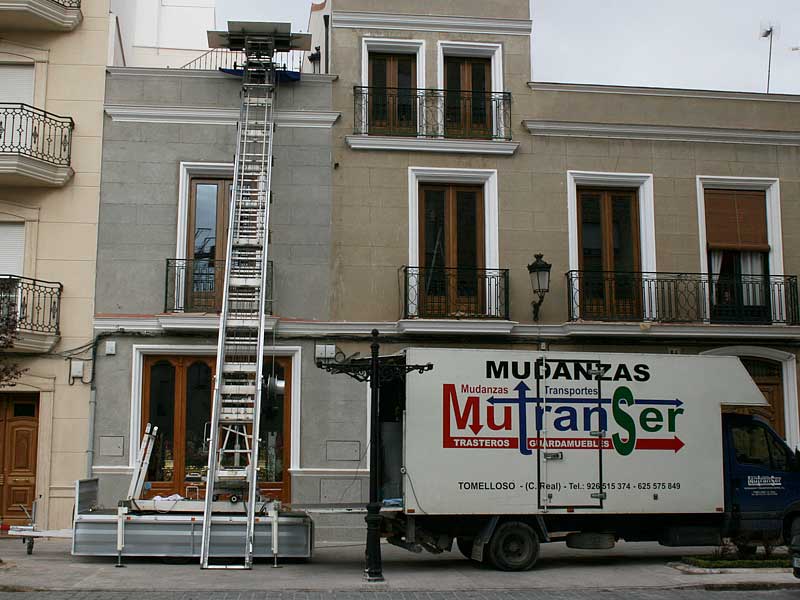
704,44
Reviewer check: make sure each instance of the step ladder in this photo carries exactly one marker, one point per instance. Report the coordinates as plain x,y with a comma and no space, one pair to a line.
234,439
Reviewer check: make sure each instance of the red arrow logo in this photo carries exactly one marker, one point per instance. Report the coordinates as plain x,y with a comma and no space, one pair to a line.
674,444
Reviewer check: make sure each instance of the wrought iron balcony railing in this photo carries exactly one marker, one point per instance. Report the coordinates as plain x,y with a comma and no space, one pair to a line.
29,131
682,298
67,3
432,113
222,58
196,285
30,305
455,293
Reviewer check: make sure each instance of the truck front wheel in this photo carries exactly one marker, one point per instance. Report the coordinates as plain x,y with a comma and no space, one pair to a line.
514,547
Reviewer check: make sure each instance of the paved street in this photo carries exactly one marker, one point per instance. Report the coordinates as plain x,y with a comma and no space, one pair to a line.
641,569
541,594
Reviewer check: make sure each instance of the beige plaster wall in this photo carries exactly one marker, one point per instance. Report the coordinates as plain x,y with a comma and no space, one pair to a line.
495,9
65,249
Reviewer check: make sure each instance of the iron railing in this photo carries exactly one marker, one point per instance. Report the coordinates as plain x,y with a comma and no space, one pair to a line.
222,58
30,304
455,293
29,131
196,285
67,3
682,298
432,113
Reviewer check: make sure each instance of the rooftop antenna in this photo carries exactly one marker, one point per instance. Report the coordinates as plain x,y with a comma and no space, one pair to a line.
768,31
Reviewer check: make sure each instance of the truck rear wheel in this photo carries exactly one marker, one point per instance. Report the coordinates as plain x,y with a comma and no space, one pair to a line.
514,547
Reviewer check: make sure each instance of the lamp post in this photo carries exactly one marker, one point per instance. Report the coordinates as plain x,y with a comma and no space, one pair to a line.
376,370
539,272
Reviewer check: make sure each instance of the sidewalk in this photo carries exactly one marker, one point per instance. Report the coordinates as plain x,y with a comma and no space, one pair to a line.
339,568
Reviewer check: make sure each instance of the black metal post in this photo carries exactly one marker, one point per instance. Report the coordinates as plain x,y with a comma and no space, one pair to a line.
374,572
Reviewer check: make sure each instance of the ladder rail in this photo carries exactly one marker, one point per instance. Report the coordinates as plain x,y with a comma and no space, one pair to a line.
216,404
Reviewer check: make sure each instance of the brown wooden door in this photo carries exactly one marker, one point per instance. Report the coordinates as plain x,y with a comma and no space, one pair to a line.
452,278
392,94
468,106
19,429
608,240
768,377
207,238
178,396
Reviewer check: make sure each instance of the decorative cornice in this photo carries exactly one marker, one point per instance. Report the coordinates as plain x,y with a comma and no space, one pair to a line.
456,326
411,144
661,133
53,15
588,88
30,172
207,115
369,20
414,327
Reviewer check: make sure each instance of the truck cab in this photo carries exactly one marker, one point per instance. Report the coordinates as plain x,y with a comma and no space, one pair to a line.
762,481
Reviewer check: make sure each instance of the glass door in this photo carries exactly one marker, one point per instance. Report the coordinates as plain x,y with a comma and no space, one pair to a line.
468,106
392,94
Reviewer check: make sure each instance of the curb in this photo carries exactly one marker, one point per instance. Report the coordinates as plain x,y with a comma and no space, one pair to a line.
692,570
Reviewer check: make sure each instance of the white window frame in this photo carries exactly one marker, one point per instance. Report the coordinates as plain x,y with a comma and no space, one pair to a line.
140,351
643,184
772,189
188,170
392,46
483,177
492,51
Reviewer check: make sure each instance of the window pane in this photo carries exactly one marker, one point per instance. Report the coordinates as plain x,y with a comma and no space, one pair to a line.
479,108
198,413
270,449
205,221
433,275
781,459
623,232
405,72
379,71
453,99
750,444
467,242
593,285
162,415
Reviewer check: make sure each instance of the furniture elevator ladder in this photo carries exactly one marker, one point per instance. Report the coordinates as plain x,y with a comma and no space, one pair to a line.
234,439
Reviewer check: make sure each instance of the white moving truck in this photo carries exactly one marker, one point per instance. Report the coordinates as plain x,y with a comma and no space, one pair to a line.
502,450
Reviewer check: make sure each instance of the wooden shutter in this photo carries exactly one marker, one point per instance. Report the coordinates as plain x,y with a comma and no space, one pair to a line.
17,83
12,248
736,220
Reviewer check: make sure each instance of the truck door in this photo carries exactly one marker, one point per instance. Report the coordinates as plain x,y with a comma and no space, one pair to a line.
570,458
761,480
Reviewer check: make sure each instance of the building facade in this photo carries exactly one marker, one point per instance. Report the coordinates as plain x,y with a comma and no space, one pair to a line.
418,172
52,83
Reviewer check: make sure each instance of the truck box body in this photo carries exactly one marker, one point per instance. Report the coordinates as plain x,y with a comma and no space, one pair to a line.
494,432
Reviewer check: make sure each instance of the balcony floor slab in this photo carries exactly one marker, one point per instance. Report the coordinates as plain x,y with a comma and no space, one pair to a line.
43,15
24,171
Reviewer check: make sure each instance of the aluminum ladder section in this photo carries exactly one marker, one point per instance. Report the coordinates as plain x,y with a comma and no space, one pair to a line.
233,448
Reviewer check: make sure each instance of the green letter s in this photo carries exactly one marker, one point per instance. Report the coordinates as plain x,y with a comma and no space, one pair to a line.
623,395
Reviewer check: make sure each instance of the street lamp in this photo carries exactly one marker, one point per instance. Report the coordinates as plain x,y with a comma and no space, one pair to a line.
539,272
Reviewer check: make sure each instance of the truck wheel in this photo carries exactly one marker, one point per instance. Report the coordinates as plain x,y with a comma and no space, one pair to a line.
514,547
465,546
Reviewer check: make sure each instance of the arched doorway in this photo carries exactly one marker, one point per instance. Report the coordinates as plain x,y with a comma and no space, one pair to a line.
767,375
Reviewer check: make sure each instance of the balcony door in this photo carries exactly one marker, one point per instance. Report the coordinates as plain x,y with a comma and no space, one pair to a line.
468,106
738,256
392,92
451,251
207,243
611,284
177,397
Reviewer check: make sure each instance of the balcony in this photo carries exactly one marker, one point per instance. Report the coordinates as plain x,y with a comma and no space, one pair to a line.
432,120
455,293
196,286
41,15
682,298
33,309
35,147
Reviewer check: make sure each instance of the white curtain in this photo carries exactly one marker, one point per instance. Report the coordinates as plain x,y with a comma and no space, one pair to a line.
716,266
752,265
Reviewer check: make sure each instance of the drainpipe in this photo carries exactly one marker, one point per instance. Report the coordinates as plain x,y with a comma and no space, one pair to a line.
90,447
